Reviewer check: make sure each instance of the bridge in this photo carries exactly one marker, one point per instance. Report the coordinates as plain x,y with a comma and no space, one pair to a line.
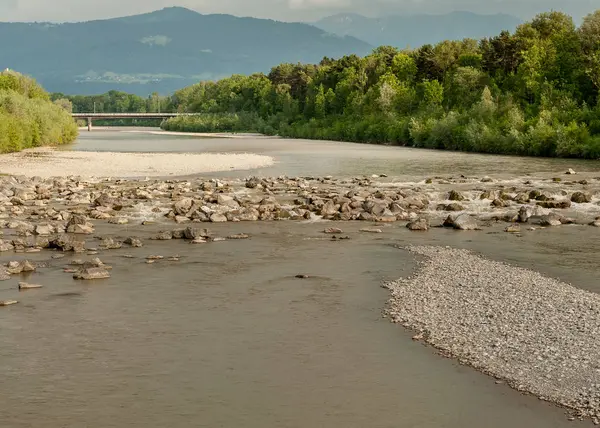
89,117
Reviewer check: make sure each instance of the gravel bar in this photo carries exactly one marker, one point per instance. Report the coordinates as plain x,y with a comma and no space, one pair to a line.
540,335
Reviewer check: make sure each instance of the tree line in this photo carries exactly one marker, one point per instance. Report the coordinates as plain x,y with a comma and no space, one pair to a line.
532,92
28,118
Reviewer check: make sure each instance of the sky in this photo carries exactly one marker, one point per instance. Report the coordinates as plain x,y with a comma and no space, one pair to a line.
286,10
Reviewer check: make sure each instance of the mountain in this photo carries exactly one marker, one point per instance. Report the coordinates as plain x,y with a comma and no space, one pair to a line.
160,51
416,30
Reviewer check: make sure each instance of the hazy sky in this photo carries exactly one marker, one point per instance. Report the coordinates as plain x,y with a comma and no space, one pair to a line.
289,10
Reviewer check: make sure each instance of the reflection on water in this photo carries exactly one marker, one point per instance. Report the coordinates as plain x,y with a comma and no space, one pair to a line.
305,157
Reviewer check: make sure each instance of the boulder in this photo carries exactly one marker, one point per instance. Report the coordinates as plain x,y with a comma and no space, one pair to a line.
133,242
8,302
105,200
420,224
499,203
164,235
118,220
555,204
461,222
513,228
27,286
581,197
5,246
570,171
227,201
66,242
218,218
90,273
333,230
525,213
44,230
194,233
454,206
183,206
456,196
111,244
551,219
238,236
329,208
83,229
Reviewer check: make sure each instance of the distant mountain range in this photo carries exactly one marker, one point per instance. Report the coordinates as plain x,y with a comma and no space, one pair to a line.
416,30
171,48
160,51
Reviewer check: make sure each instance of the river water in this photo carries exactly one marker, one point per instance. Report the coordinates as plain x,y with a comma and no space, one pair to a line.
228,337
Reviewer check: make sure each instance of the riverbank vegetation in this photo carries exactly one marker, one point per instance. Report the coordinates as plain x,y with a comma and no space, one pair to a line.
534,92
28,118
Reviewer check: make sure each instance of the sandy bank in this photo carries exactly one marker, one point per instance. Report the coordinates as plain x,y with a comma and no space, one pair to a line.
537,333
45,162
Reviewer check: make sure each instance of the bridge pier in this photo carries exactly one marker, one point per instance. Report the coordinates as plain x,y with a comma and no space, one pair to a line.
89,124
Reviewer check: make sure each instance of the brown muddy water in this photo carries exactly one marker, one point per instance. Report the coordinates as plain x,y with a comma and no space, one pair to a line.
228,337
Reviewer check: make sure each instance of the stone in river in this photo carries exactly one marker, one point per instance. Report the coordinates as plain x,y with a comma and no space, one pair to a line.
418,225
581,197
238,236
333,230
134,242
27,286
91,273
218,218
8,302
570,171
461,222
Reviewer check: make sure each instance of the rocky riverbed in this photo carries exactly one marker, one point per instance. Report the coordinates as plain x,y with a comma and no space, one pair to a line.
65,214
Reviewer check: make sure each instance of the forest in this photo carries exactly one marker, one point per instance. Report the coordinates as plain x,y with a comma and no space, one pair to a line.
532,92
28,118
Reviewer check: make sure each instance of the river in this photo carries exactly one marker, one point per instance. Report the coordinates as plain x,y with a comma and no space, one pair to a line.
228,337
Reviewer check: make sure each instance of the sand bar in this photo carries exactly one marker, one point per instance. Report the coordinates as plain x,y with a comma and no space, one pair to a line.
46,162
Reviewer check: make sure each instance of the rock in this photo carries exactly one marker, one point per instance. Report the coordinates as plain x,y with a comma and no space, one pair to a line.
499,203
419,224
111,244
133,242
193,233
90,273
555,204
252,183
5,246
513,228
454,206
525,213
329,208
302,276
179,219
581,197
455,196
8,302
105,200
183,206
218,218
227,201
366,230
118,220
164,235
44,230
239,236
4,275
487,179
461,222
551,219
15,267
199,240
595,223
570,171
66,242
154,257
26,286
333,230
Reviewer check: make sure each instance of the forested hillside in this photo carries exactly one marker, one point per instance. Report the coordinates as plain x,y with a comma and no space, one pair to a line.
531,92
28,118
